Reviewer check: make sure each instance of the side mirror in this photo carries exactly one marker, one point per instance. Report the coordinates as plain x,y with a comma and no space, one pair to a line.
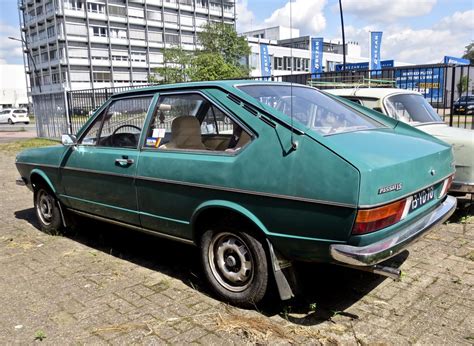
68,140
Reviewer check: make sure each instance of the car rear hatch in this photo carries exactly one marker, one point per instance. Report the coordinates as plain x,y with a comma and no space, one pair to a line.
393,165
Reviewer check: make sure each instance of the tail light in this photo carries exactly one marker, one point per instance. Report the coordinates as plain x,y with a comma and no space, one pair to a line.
370,220
446,186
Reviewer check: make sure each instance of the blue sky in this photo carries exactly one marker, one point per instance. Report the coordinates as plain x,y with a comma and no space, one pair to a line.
416,31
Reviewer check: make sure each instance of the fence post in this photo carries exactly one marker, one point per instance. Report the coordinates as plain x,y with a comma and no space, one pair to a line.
67,113
451,106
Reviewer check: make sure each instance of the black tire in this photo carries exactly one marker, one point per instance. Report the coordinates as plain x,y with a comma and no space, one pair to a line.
27,122
47,210
10,122
223,253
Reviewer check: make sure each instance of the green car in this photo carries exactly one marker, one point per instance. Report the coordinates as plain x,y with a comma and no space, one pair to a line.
257,175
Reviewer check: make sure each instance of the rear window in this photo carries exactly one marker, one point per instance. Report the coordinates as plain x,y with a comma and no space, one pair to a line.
19,111
311,108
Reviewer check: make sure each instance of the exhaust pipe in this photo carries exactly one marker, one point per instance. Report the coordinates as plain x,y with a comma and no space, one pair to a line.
393,273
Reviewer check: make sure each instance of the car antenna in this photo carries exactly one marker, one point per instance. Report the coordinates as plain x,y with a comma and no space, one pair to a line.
294,144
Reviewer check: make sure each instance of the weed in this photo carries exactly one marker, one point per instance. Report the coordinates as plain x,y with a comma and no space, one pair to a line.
286,312
312,307
40,335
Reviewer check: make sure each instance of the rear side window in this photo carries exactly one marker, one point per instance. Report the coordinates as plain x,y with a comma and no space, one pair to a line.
18,111
311,108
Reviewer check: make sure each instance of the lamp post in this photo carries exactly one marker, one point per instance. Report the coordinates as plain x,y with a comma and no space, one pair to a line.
343,38
22,40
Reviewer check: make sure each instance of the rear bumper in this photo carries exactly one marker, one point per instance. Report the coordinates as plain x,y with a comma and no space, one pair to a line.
380,251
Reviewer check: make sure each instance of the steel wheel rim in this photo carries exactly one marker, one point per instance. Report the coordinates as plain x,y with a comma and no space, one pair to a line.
231,261
44,207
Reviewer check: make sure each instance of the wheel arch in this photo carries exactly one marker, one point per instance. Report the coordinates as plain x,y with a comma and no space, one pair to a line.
207,211
38,176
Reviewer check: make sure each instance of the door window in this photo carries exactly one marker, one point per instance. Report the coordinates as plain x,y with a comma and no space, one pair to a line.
191,122
120,124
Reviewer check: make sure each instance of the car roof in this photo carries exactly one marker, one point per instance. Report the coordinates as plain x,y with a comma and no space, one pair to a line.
224,84
370,92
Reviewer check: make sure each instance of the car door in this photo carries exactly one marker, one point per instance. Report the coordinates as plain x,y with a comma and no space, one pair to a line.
189,143
98,173
3,115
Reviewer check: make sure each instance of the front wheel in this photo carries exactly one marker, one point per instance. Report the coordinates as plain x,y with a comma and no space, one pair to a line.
235,265
47,211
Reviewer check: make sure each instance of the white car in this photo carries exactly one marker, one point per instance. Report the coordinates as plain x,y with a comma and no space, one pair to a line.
412,108
14,115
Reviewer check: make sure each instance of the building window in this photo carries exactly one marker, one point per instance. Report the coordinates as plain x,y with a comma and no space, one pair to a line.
117,11
278,63
118,33
99,31
95,8
172,38
138,57
44,57
53,54
73,5
287,63
153,15
101,77
51,31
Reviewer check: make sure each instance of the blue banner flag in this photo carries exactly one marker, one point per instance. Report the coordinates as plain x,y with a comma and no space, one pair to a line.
456,61
375,43
265,61
316,55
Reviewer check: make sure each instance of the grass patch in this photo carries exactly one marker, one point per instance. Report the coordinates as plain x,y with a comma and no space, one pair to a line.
20,145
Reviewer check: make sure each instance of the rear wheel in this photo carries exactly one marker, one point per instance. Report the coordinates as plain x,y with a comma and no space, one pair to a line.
235,265
47,210
10,122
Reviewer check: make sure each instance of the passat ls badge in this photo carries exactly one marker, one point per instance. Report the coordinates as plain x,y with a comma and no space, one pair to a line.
390,188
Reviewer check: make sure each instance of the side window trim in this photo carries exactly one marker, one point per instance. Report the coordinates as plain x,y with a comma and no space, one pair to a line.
226,113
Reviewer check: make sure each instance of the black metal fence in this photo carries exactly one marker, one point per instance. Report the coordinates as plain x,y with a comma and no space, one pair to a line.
446,87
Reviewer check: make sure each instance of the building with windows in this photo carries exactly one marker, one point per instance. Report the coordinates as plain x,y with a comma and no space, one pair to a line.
82,44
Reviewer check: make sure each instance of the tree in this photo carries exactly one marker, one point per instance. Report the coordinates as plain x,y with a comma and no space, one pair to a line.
222,39
469,53
176,64
211,66
463,84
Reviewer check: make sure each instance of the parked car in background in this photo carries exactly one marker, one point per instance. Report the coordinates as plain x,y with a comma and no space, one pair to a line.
464,105
412,108
300,177
14,116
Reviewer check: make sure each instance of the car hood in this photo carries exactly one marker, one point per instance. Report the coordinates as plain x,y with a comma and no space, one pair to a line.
385,157
462,141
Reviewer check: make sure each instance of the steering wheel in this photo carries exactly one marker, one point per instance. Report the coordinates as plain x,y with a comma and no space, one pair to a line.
113,136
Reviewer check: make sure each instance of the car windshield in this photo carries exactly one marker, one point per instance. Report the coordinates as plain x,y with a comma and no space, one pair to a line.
311,108
466,99
411,108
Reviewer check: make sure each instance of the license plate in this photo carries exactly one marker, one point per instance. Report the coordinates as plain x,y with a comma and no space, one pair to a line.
419,199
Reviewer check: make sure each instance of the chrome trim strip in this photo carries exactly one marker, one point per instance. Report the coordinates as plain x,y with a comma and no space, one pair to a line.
386,248
405,195
255,193
35,164
137,228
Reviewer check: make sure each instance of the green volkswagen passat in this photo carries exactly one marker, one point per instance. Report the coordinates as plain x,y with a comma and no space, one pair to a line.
257,175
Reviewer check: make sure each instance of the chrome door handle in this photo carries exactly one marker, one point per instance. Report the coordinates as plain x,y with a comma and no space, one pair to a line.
124,162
